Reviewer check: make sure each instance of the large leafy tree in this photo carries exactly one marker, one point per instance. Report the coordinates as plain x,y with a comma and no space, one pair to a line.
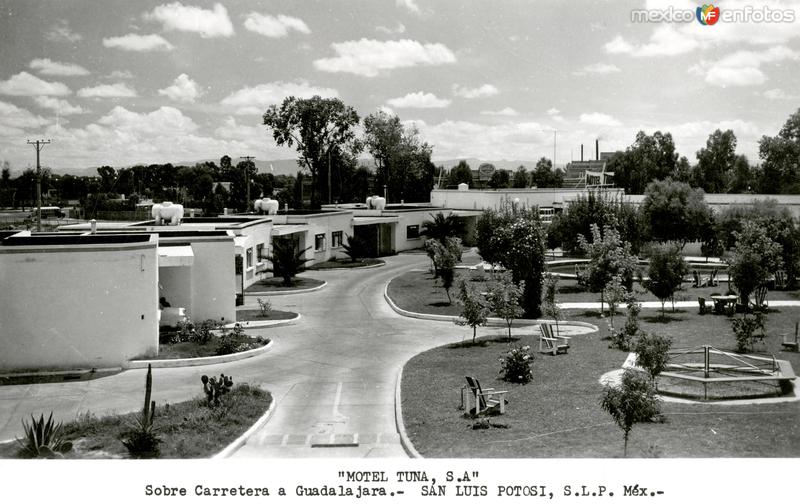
650,157
715,162
544,175
461,173
675,211
755,258
315,126
780,170
521,179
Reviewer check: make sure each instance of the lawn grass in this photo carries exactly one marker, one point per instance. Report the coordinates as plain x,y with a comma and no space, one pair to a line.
188,429
346,263
558,414
275,284
419,291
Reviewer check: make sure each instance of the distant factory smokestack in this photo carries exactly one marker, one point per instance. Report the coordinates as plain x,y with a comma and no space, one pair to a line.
597,149
581,152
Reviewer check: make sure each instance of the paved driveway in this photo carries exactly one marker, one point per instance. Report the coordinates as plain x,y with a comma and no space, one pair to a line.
333,374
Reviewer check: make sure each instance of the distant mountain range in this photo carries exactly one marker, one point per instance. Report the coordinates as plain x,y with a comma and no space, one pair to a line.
289,166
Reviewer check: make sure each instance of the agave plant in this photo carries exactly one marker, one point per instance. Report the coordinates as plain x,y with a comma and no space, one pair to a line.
142,441
43,439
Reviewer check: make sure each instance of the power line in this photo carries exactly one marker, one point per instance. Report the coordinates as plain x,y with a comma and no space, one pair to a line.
38,145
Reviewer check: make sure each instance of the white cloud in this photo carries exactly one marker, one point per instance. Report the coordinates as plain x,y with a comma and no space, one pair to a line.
742,68
14,120
179,17
555,114
597,68
506,112
410,5
778,94
182,89
61,32
618,45
368,57
274,26
139,43
418,100
399,28
63,107
46,66
478,92
118,90
505,140
25,84
598,119
255,100
670,40
119,74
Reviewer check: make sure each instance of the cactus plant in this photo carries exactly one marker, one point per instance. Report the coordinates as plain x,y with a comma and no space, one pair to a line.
43,439
142,441
215,388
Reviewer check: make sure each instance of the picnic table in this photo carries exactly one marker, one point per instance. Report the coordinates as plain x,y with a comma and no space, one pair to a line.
722,302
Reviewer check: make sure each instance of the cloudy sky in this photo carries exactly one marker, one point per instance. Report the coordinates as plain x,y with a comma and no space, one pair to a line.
120,82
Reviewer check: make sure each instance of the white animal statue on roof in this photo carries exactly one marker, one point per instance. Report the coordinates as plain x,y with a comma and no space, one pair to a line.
167,210
266,205
376,202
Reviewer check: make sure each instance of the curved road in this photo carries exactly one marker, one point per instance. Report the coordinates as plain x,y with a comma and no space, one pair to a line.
333,374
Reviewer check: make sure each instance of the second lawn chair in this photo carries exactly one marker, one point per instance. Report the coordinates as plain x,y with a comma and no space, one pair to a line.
552,343
485,400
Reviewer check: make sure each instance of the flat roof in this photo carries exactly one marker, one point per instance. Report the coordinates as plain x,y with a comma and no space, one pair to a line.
72,239
364,221
285,229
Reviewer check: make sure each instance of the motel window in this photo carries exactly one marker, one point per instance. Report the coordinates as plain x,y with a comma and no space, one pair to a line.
412,232
260,252
319,242
249,258
336,239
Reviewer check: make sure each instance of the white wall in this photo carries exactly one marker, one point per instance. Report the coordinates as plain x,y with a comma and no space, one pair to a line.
83,306
175,284
482,199
213,289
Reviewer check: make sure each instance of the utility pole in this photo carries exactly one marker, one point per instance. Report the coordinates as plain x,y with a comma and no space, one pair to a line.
249,159
38,145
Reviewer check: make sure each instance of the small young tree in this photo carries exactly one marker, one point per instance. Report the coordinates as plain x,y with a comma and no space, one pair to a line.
623,338
666,271
287,260
745,328
634,401
504,297
608,256
614,294
550,306
652,353
445,263
475,309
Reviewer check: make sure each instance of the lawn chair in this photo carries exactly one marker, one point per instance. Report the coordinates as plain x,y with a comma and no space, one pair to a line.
790,343
552,343
699,280
780,279
486,400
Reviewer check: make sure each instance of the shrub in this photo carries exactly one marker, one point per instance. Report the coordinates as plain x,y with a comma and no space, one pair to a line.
142,441
185,331
214,388
43,439
744,329
475,310
202,333
623,338
652,353
357,248
264,306
287,259
516,365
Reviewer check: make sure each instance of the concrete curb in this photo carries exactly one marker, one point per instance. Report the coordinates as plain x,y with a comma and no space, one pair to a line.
286,293
493,321
405,441
241,440
255,324
378,265
198,361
